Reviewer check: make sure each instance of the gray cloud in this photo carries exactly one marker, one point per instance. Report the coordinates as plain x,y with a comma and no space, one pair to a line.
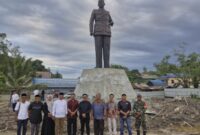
57,31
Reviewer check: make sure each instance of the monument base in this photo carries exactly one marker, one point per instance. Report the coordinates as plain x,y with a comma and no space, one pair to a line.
105,81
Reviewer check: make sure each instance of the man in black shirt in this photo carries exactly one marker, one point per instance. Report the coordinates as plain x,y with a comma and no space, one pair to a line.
124,108
35,115
84,110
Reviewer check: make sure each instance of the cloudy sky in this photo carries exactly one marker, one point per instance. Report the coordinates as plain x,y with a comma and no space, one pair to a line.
57,31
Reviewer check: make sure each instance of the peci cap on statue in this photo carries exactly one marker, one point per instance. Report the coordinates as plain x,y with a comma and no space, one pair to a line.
101,3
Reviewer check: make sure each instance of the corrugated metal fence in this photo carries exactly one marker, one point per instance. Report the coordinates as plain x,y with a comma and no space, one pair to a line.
170,93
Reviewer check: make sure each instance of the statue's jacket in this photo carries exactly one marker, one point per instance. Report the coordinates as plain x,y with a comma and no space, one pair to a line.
100,22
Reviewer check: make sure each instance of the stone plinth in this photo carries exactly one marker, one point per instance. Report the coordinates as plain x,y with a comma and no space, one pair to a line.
104,81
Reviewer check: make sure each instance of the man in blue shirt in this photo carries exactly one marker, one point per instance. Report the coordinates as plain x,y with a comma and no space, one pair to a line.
98,113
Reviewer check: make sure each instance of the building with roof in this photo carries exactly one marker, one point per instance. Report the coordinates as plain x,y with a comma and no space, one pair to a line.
43,74
57,84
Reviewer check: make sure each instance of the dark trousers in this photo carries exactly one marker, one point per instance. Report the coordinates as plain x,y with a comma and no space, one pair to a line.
85,122
71,126
20,124
102,48
35,128
98,127
13,106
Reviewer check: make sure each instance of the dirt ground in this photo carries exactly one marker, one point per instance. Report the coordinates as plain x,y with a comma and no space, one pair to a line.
179,116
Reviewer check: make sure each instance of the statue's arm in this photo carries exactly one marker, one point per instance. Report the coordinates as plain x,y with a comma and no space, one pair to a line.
92,23
110,20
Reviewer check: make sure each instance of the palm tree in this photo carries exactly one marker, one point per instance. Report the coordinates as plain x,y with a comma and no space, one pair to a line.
19,73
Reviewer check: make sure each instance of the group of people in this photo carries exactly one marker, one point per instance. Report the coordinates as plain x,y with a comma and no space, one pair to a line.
56,110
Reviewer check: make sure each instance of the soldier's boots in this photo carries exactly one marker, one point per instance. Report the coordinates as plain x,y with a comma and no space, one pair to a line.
144,132
138,132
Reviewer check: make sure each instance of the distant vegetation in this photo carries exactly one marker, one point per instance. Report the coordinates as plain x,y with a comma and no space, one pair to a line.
186,67
17,71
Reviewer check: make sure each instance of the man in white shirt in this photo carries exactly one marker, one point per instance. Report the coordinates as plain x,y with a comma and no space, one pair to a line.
59,113
14,100
21,110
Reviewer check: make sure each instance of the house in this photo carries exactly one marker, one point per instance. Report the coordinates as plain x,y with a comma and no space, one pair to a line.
43,74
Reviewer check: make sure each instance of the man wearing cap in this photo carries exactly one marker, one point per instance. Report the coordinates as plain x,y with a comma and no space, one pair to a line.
124,108
35,115
139,110
21,110
59,113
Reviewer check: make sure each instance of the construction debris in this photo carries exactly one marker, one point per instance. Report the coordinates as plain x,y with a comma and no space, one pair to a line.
174,112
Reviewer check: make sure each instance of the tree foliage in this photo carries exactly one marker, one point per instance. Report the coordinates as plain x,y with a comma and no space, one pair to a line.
56,75
187,66
133,75
16,71
38,65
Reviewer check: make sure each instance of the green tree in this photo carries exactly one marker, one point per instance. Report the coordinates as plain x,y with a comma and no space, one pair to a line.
119,67
145,70
38,65
133,75
57,75
20,73
15,70
165,66
187,67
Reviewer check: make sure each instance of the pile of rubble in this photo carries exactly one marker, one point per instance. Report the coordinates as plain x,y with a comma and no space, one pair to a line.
174,112
7,118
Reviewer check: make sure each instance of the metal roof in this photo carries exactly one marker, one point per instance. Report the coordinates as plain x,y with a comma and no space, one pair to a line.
56,82
156,82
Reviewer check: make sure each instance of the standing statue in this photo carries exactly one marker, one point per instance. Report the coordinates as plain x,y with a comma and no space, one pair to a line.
102,33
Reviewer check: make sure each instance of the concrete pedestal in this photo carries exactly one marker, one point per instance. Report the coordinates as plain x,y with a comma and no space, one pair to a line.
104,81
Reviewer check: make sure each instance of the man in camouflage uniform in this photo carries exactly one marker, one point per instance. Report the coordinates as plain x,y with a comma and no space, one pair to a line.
139,110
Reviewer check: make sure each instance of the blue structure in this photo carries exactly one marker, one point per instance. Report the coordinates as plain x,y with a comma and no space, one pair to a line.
156,82
64,85
167,76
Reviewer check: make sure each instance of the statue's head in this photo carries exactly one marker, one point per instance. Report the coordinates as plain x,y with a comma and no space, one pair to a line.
101,3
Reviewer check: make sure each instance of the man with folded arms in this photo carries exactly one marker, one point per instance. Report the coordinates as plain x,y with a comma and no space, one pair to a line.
72,115
98,114
59,113
124,108
35,113
84,114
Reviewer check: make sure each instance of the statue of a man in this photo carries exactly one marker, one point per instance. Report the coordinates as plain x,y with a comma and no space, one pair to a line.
102,33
